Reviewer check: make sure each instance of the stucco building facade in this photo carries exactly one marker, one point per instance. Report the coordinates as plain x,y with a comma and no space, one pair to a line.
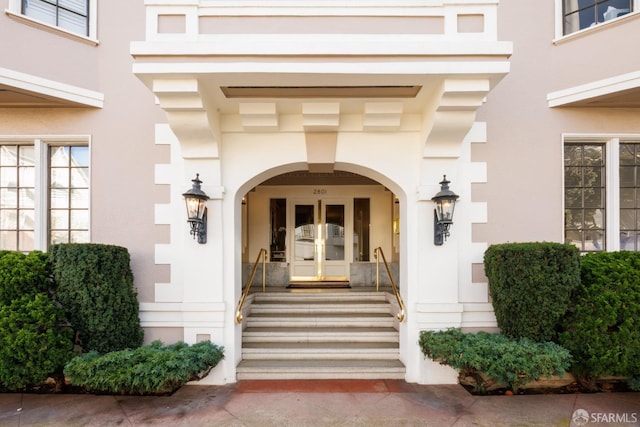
321,132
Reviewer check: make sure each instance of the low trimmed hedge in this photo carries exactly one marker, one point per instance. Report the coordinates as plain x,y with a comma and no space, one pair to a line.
148,370
511,362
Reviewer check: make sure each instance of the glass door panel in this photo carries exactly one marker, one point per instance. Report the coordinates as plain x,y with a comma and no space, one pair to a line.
334,234
304,262
304,233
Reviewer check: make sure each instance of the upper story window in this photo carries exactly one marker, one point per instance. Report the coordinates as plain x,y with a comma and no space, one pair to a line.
70,15
580,14
71,18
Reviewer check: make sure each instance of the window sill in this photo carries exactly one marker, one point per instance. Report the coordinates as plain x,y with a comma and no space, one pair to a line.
597,28
51,28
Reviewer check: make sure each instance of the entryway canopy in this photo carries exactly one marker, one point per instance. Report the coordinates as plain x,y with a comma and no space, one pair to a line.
432,63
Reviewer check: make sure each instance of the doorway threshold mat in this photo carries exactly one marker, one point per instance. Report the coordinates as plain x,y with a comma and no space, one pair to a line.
319,285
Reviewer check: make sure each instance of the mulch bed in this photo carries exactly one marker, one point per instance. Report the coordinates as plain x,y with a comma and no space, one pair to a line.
611,386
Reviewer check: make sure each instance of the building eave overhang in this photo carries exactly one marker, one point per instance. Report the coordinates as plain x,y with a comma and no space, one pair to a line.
25,90
192,81
321,44
622,91
320,59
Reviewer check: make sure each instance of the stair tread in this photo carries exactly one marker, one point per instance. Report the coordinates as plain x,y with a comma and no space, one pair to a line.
341,330
321,298
320,315
353,293
314,301
319,364
321,345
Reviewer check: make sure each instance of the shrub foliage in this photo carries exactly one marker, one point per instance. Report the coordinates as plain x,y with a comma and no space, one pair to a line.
34,341
22,274
506,360
33,344
602,325
95,286
530,286
151,369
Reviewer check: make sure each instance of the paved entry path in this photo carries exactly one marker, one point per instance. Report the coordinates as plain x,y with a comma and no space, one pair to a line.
321,403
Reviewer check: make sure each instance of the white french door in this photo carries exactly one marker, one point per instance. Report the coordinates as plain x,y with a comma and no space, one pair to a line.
321,240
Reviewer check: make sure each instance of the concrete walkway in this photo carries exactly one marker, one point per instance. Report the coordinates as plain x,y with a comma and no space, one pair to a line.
320,403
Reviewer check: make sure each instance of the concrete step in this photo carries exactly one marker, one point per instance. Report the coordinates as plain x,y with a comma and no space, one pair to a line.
320,369
320,334
321,351
320,297
309,320
320,307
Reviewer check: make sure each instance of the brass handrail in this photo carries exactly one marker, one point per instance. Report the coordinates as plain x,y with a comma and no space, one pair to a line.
262,254
378,250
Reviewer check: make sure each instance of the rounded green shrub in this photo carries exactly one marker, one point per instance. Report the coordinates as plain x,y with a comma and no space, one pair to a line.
94,284
33,342
530,286
602,325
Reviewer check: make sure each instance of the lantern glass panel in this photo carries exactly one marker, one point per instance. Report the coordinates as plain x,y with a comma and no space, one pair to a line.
195,207
444,210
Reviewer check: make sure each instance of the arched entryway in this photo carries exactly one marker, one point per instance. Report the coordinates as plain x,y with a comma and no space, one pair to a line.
326,313
320,227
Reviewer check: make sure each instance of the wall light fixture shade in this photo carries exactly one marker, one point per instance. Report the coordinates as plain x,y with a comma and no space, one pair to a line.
445,201
196,201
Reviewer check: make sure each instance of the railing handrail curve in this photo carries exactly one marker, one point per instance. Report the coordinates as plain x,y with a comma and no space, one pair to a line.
401,314
261,254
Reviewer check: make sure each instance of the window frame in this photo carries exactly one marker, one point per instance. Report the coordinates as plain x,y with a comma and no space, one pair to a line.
604,165
612,181
41,146
559,27
14,9
636,187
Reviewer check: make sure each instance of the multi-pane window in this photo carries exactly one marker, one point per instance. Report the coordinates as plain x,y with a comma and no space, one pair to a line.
584,195
629,196
17,197
44,195
602,194
580,14
70,15
68,194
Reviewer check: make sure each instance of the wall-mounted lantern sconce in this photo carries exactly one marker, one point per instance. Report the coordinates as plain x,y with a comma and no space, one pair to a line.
196,201
445,202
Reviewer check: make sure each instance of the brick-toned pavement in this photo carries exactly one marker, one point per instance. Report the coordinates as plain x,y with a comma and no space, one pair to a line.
320,403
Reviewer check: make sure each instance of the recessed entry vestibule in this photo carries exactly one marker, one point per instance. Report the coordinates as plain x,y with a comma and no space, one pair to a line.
320,232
